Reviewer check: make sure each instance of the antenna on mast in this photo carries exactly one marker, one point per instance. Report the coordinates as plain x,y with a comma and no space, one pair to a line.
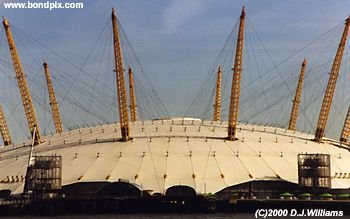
31,161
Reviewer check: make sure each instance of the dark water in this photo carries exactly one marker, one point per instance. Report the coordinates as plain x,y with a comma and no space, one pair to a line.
165,216
144,216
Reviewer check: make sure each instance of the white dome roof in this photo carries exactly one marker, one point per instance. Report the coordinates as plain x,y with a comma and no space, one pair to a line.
165,153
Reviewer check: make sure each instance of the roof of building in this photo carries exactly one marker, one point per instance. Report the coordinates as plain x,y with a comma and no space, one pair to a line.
165,153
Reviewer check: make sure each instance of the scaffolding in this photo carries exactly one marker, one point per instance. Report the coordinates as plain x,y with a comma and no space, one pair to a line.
44,176
314,170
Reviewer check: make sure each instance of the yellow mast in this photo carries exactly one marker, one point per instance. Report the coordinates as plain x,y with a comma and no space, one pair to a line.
294,115
5,134
53,103
132,96
346,128
121,90
22,84
333,76
236,81
217,103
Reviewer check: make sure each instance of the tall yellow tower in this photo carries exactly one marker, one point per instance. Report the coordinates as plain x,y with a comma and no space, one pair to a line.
333,76
132,96
121,90
217,101
296,101
22,84
4,131
346,128
53,103
236,81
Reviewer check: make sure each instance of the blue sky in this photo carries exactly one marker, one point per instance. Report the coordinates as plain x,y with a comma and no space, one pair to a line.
177,40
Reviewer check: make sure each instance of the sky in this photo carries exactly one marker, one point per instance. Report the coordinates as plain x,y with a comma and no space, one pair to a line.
177,40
